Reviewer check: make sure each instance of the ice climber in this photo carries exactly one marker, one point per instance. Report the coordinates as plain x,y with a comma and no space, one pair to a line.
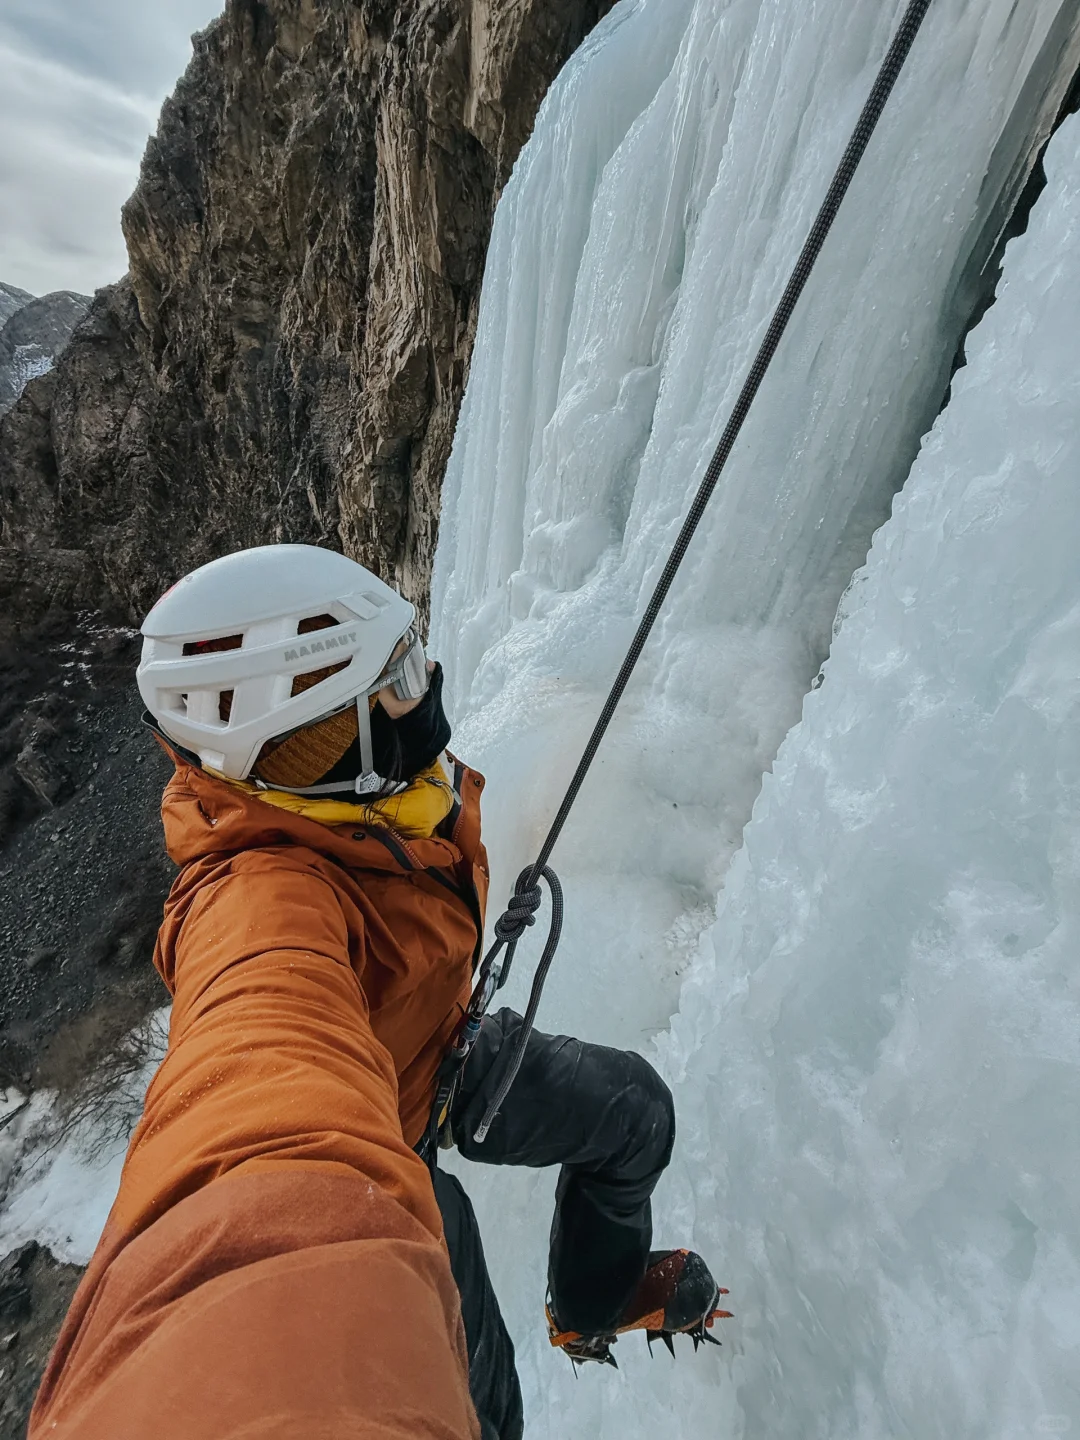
279,1260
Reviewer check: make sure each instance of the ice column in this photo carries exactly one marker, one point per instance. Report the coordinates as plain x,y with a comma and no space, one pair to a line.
878,1048
637,254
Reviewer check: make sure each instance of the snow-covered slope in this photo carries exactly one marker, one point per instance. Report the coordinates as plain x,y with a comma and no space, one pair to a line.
32,339
60,1170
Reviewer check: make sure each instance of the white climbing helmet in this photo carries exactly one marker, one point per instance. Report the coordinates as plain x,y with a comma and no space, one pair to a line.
233,627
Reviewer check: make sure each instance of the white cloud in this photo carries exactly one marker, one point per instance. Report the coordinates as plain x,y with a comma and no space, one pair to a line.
81,84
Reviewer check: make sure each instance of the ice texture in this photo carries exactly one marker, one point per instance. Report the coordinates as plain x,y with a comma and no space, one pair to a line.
876,1058
637,254
876,1046
877,1051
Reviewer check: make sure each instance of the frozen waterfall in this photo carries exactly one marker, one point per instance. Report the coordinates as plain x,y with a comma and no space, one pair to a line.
876,1050
636,258
878,1045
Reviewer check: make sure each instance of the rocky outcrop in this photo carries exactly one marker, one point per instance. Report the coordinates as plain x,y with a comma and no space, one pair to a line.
75,475
12,300
35,1291
33,338
287,356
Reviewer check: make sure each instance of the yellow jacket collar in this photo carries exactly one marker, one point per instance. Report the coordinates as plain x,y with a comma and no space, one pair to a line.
415,812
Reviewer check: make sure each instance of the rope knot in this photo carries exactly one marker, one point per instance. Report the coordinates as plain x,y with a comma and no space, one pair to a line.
520,913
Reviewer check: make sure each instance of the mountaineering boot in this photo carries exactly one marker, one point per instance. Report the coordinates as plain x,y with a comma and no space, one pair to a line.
677,1296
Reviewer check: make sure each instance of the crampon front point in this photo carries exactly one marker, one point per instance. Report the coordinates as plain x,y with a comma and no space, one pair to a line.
677,1296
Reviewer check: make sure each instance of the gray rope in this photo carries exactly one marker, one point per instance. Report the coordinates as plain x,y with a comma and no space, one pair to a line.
523,891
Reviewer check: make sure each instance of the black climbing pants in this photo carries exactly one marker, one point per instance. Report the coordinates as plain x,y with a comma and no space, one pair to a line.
606,1118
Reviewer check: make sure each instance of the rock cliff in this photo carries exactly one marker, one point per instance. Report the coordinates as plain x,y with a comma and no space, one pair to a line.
286,357
32,339
35,1291
284,360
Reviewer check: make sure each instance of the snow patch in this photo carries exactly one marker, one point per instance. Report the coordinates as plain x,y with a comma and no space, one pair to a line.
59,1175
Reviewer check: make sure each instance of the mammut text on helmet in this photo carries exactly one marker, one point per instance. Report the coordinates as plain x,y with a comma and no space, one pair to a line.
317,647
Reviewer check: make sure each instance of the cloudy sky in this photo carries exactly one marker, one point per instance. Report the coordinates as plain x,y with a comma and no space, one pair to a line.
81,84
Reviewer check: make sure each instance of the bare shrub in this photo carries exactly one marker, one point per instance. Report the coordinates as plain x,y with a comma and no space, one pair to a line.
106,1106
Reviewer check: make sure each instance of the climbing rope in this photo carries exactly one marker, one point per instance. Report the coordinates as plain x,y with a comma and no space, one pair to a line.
520,913
526,901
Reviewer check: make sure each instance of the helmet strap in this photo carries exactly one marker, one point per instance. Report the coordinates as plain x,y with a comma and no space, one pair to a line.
364,784
363,726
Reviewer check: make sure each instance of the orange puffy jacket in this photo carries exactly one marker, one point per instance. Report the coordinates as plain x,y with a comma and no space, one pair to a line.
274,1263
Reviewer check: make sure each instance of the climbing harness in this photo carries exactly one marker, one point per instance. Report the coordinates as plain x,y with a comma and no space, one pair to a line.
526,900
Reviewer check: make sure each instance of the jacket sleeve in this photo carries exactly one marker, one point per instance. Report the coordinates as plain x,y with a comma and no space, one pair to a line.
274,1261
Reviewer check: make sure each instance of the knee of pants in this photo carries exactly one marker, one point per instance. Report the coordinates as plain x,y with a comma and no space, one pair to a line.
655,1115
634,1114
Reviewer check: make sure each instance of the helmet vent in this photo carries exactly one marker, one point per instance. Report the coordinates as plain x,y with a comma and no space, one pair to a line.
301,683
212,647
308,681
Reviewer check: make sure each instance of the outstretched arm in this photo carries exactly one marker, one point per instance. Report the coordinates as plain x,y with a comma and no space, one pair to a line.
274,1261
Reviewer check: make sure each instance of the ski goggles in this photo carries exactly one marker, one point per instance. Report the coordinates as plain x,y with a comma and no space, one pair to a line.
408,674
408,677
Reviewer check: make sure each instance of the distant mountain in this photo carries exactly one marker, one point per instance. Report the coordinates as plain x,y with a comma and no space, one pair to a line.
33,335
11,301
